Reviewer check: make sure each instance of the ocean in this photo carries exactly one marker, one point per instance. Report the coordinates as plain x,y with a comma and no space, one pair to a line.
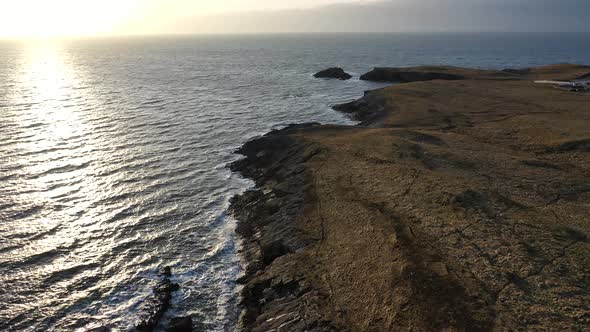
113,156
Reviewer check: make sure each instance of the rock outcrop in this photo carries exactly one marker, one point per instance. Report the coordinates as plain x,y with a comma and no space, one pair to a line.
337,73
517,71
154,307
268,225
406,75
366,109
449,73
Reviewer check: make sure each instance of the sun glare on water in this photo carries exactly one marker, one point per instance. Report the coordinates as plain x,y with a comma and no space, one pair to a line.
63,18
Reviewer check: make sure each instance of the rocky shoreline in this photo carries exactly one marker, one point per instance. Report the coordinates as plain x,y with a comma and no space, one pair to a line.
268,225
455,205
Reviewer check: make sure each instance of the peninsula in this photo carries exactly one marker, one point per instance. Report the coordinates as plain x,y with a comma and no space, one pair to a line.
461,202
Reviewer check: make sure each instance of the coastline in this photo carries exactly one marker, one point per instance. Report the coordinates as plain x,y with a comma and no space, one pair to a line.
276,163
454,205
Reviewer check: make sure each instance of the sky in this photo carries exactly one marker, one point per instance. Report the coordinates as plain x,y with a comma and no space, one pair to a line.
49,18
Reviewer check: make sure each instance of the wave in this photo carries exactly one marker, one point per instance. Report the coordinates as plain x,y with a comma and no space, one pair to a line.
62,169
153,102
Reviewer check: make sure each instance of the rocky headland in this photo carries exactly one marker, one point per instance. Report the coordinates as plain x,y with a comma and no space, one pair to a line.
449,73
460,203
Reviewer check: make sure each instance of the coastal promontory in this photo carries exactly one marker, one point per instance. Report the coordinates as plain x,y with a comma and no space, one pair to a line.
460,203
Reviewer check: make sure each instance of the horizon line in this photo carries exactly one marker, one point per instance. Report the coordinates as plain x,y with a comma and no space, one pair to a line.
271,33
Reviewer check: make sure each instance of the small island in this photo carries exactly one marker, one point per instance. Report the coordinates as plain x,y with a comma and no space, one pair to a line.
459,203
337,73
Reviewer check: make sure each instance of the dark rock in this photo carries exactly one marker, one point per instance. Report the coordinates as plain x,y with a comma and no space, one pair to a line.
401,75
156,305
180,324
166,272
267,224
522,71
366,109
272,251
102,329
337,73
578,89
263,155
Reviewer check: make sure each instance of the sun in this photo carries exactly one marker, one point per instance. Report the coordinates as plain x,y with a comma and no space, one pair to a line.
63,18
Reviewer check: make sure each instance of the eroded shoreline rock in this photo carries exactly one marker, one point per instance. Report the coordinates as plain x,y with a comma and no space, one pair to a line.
337,73
401,75
366,109
154,307
267,223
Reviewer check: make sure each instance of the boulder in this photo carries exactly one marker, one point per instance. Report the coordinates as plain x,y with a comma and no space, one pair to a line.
337,73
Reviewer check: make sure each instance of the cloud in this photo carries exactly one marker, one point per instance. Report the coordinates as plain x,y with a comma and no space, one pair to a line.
382,16
401,16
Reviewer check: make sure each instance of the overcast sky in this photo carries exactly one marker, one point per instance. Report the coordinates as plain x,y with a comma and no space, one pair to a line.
63,17
245,16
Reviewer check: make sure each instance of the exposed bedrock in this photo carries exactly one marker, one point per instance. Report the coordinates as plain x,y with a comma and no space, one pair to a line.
517,71
450,73
337,73
267,223
366,109
155,306
402,75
